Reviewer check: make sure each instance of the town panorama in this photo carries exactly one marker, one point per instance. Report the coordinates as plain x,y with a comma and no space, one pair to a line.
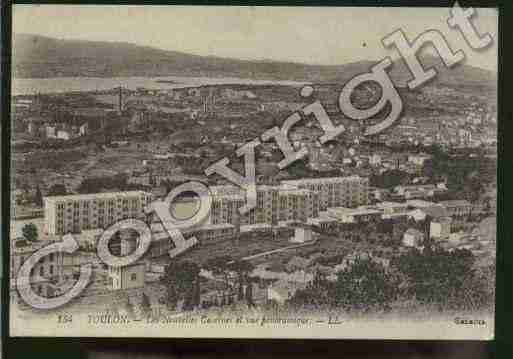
396,228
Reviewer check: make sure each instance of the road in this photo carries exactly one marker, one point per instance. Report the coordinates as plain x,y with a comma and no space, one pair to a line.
263,254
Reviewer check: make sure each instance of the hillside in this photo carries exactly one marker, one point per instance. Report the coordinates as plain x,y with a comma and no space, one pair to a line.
42,57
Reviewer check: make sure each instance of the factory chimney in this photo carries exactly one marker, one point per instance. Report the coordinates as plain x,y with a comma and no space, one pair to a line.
120,104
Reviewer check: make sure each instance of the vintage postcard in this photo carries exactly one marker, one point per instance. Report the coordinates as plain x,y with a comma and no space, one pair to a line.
253,172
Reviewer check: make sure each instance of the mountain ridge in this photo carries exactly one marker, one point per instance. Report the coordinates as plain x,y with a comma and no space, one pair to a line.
36,56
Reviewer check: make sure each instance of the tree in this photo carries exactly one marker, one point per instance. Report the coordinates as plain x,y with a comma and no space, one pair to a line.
97,184
249,295
442,278
389,179
145,303
370,231
30,232
180,280
365,285
242,268
196,298
487,207
398,230
219,267
39,197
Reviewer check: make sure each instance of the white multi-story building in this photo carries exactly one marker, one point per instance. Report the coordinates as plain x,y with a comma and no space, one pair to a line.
296,200
74,213
349,192
275,204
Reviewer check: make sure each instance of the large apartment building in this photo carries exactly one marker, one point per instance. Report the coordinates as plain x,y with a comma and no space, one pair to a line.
296,200
350,191
75,213
275,204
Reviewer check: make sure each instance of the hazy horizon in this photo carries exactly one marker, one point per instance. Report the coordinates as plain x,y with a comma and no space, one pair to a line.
304,35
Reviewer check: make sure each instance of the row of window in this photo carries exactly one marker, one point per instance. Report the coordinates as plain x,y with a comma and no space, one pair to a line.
108,203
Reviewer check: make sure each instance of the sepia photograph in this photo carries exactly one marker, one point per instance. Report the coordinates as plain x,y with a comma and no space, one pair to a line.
253,172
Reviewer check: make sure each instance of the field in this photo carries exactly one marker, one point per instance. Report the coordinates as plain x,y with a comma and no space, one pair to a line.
233,248
327,245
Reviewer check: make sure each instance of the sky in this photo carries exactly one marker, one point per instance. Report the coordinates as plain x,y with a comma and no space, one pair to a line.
314,35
